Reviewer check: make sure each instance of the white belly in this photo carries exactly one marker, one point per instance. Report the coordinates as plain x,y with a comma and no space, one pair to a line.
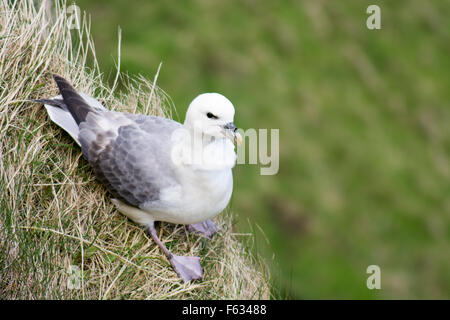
206,195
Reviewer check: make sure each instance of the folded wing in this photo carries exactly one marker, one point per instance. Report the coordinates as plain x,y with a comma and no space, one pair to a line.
130,154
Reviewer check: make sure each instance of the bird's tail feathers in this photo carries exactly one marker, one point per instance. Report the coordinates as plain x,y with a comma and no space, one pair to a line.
59,113
70,108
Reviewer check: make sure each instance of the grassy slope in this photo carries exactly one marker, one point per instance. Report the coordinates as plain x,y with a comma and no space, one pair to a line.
54,213
364,118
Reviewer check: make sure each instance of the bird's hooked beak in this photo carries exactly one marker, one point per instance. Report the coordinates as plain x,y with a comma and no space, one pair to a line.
230,131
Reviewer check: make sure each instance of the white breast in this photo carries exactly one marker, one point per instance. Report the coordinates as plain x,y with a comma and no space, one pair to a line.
204,190
201,196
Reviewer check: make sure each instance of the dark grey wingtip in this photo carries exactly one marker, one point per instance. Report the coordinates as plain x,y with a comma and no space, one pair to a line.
62,83
52,102
44,101
75,103
57,77
37,100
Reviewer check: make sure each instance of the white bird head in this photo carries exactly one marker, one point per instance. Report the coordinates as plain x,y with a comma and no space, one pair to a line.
212,115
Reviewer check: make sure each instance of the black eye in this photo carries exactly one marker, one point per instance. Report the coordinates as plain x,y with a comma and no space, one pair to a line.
211,116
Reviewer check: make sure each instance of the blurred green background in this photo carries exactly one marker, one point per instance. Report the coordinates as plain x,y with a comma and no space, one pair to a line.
364,127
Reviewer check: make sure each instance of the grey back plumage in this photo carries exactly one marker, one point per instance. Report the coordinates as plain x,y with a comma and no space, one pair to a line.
129,155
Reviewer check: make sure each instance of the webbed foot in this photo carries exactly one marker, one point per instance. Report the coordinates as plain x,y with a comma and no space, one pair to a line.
188,268
206,228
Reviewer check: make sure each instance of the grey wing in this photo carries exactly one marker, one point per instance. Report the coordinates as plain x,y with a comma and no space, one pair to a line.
130,154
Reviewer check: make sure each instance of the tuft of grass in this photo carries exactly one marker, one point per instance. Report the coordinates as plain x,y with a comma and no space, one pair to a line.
53,212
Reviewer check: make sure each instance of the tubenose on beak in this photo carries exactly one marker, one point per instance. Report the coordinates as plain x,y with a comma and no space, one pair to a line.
232,133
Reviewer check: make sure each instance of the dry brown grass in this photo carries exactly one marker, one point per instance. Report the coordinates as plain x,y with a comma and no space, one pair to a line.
54,213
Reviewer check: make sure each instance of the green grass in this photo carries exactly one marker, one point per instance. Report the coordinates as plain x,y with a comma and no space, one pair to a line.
364,127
